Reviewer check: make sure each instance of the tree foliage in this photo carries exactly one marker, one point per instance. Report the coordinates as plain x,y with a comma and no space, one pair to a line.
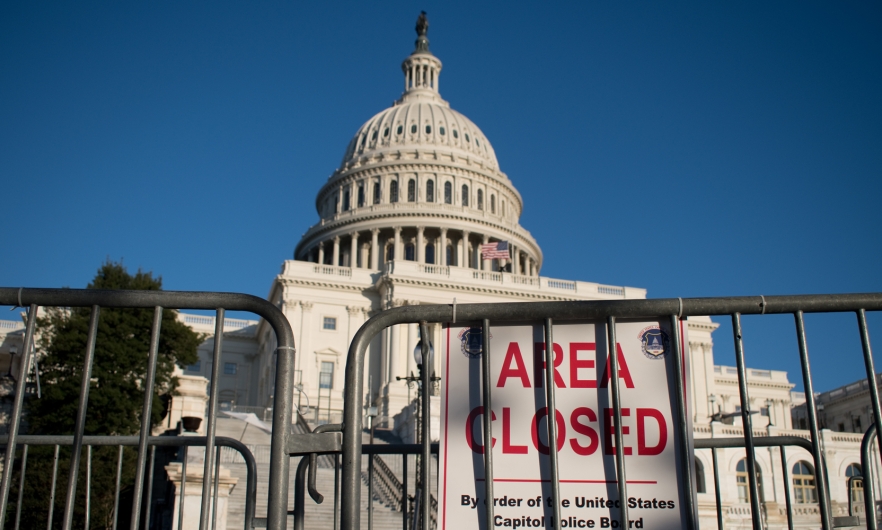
116,396
119,368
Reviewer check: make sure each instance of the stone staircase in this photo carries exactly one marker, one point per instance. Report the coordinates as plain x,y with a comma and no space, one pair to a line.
316,515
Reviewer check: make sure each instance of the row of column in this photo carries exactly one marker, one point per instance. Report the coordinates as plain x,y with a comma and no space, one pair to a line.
420,75
521,262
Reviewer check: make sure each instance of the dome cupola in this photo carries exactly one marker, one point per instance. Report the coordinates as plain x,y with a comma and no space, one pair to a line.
418,171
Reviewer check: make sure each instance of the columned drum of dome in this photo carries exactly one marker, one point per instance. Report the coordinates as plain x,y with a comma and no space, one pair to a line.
402,158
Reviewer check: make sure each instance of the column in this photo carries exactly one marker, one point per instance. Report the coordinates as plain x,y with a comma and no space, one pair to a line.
336,255
442,242
321,253
515,260
396,254
353,249
420,245
485,263
411,344
394,353
465,257
375,249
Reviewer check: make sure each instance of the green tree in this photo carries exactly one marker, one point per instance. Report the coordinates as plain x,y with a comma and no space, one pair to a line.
116,393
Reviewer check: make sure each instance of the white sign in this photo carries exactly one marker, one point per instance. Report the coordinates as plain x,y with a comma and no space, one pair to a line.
585,427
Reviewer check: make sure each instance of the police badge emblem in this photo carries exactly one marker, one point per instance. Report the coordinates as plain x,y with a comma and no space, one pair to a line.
472,342
654,342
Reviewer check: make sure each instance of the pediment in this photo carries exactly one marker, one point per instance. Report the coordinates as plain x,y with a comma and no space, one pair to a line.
328,351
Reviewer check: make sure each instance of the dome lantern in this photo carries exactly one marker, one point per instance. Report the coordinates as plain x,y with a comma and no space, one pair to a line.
421,68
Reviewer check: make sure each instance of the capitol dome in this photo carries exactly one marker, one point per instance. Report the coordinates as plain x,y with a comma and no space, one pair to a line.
419,182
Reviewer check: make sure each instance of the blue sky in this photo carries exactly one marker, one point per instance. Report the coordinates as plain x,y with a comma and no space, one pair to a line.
694,149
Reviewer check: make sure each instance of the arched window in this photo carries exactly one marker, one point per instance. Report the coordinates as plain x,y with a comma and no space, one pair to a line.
360,195
480,199
448,193
376,193
857,485
465,195
699,477
393,191
449,260
430,253
493,204
502,207
409,253
430,191
741,480
411,190
804,483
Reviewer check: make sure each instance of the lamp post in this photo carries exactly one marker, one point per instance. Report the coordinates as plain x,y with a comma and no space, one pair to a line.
422,417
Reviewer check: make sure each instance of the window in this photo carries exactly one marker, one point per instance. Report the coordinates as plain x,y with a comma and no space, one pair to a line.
856,422
493,204
230,368
465,195
477,142
741,481
413,129
467,137
449,255
455,134
376,193
374,136
400,130
329,323
386,132
857,485
448,193
764,411
195,367
502,205
430,253
393,191
411,190
428,129
804,483
699,477
360,195
326,376
480,199
441,130
430,191
409,254
345,200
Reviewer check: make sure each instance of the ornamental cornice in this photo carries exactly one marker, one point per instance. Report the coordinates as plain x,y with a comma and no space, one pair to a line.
483,289
702,326
326,285
754,383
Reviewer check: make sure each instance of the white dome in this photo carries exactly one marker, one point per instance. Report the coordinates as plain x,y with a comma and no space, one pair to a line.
420,122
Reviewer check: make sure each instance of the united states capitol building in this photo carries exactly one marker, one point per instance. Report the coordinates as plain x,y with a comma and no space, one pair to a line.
401,221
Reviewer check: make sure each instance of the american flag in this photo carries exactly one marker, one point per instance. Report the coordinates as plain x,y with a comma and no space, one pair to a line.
498,250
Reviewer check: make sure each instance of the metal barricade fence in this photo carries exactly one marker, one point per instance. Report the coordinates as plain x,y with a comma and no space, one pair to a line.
549,313
180,442
346,438
281,444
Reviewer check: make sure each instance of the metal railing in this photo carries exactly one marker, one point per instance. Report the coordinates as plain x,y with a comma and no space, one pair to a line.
91,442
281,443
607,312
